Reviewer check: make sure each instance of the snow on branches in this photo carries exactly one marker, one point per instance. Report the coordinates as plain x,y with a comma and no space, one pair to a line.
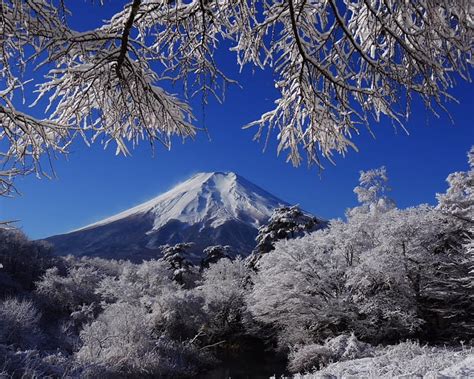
337,65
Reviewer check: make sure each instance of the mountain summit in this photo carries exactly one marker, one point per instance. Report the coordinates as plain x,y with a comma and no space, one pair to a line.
207,209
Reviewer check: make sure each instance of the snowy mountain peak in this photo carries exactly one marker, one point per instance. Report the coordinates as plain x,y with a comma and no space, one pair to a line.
210,208
210,198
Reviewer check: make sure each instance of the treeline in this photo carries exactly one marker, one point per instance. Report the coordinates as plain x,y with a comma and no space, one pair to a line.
381,276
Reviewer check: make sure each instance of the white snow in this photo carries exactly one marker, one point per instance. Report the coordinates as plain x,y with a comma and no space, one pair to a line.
210,198
405,360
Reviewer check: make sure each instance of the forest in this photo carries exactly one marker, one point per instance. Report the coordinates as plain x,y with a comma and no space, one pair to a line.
384,292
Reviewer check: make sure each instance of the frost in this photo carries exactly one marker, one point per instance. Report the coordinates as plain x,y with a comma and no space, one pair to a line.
337,66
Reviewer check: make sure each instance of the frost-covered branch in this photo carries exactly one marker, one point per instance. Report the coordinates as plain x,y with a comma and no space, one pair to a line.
338,65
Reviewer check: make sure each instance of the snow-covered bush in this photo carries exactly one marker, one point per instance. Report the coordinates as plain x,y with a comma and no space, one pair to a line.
340,348
37,364
177,313
25,364
19,323
120,338
69,292
124,341
309,357
137,284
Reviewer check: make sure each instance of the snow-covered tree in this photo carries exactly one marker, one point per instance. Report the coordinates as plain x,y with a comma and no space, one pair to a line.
212,254
337,65
285,222
69,292
178,313
394,273
19,323
138,284
384,274
300,290
223,288
176,257
458,201
450,298
22,262
372,191
122,340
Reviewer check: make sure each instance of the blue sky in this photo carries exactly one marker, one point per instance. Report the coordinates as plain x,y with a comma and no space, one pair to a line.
92,183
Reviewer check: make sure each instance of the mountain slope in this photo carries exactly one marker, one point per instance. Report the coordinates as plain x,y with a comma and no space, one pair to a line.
207,209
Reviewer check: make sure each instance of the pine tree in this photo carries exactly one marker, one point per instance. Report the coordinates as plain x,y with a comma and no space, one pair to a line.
175,255
285,223
214,253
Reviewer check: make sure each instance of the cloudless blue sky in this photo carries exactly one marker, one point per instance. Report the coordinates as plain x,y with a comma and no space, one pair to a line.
94,183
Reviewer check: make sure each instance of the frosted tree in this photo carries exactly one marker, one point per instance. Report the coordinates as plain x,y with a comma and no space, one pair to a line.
372,191
121,339
223,288
458,201
22,262
337,65
300,290
213,254
285,222
176,257
19,323
123,342
138,284
384,274
451,292
67,293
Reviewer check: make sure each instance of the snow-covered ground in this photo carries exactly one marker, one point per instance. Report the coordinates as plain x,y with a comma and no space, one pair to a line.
405,360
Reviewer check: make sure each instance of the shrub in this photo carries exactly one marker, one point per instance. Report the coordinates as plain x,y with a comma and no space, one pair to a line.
19,323
68,293
123,340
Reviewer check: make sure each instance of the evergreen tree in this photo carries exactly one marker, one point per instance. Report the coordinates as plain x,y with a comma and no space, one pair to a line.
175,256
285,223
215,253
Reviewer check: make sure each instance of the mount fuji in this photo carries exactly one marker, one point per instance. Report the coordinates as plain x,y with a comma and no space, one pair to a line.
207,209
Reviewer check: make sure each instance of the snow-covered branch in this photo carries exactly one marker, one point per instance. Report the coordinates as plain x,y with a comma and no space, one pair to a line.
338,65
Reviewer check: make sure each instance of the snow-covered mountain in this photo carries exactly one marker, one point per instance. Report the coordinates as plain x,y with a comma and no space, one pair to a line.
207,209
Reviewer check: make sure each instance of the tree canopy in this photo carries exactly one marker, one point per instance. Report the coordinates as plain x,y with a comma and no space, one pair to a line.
337,65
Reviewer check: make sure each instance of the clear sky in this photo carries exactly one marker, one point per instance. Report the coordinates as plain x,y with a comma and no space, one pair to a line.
93,184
